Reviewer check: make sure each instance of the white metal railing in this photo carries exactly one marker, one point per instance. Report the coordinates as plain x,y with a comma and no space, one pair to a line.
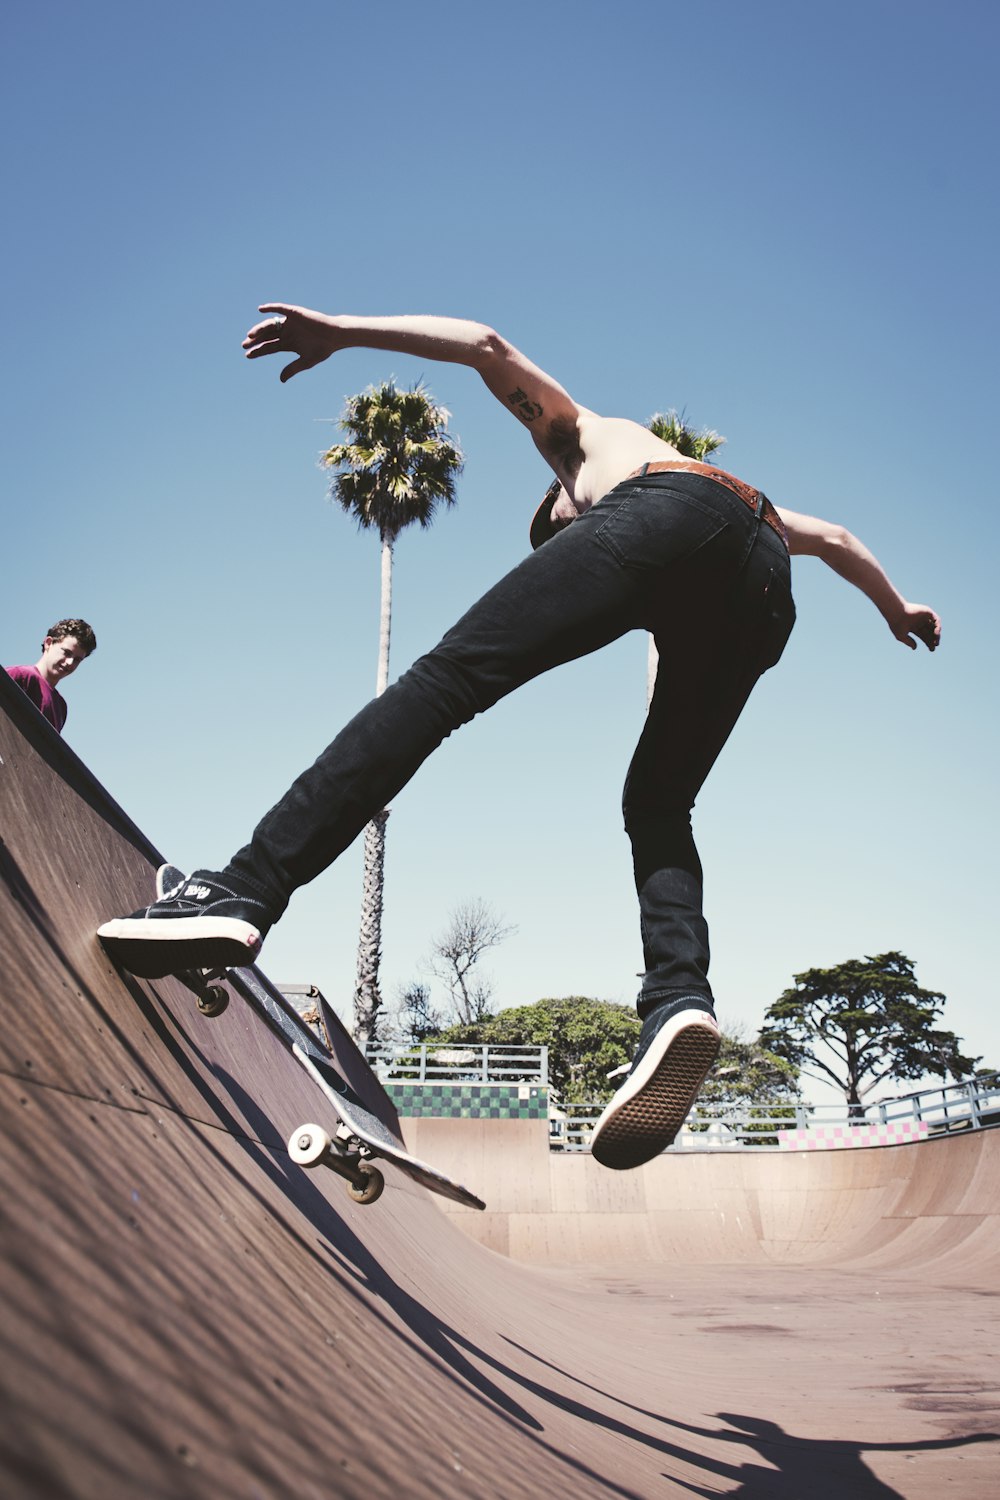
716,1127
455,1062
972,1104
975,1103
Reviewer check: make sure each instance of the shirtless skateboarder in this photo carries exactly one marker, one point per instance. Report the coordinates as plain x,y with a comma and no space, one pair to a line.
630,536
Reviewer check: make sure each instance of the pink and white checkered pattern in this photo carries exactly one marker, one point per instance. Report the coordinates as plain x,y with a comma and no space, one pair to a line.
835,1137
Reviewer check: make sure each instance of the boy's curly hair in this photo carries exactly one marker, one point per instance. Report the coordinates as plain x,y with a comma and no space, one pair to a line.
83,632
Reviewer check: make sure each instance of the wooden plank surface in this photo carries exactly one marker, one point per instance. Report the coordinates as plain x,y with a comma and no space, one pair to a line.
185,1313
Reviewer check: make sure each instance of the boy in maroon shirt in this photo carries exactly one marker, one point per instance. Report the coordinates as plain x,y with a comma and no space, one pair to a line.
68,643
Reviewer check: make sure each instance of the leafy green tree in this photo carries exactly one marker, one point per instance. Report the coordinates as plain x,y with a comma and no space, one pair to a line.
750,1086
745,1071
586,1040
699,444
860,1023
398,464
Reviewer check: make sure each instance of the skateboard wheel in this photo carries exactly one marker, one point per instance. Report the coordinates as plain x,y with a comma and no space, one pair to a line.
369,1190
308,1145
214,1001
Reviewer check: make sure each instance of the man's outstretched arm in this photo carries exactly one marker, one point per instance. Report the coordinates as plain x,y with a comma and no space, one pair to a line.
539,402
846,555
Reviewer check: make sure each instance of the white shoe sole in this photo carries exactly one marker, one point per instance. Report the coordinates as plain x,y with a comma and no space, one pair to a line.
153,947
651,1106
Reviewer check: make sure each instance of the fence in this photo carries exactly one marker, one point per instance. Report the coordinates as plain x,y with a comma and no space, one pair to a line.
727,1127
459,1064
709,1127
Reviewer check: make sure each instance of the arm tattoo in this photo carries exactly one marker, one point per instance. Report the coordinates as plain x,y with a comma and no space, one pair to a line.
529,411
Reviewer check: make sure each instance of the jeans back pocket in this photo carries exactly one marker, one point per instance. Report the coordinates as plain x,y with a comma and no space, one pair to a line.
651,528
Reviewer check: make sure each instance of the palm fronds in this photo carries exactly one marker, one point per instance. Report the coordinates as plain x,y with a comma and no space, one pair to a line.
399,462
673,428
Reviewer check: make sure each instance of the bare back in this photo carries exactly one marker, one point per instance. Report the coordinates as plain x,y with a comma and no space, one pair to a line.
612,448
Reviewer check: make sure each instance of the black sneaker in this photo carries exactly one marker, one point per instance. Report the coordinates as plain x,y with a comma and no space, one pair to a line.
197,923
678,1044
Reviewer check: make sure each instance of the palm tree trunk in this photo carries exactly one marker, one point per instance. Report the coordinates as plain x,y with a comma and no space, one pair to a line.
367,996
385,619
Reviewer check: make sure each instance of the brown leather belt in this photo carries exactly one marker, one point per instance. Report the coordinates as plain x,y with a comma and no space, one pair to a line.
757,501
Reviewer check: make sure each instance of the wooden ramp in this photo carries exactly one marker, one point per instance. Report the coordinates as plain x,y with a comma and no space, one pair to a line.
186,1313
905,1209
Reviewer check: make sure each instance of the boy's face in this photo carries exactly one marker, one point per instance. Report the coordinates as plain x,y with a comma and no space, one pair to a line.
62,657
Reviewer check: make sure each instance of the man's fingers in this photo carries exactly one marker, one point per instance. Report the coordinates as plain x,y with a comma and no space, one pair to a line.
930,631
294,368
925,624
271,329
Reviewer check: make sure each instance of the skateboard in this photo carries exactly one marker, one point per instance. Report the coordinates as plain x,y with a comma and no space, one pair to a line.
358,1137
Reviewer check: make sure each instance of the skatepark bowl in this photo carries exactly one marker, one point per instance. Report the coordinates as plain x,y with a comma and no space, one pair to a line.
188,1313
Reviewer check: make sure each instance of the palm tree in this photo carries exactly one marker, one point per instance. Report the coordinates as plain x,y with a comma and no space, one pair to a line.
397,464
673,429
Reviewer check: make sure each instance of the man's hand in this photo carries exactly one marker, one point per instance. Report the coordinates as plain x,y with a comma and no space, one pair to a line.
296,330
916,620
842,552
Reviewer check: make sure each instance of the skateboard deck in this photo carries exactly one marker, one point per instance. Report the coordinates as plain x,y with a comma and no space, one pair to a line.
356,1137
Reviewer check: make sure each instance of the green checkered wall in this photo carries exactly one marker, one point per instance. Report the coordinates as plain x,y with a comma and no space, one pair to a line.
470,1101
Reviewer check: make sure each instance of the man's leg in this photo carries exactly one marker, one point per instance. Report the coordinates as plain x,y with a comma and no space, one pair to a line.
568,599
719,637
562,602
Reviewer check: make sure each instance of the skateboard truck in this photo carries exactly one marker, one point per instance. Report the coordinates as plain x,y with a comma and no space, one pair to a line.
312,1146
211,996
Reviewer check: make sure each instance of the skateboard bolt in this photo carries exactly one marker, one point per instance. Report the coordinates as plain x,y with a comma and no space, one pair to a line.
304,1141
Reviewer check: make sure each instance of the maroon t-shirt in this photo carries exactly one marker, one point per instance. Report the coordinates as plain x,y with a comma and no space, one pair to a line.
45,698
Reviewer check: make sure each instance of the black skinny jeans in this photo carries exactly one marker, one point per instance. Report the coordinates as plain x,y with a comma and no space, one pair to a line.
677,554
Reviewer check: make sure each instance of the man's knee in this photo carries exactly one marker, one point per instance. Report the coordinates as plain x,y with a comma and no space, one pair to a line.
667,814
453,683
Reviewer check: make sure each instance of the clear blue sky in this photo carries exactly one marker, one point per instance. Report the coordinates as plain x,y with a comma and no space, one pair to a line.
782,218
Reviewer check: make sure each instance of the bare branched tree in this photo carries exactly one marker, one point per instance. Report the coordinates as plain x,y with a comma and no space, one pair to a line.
474,928
415,1016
